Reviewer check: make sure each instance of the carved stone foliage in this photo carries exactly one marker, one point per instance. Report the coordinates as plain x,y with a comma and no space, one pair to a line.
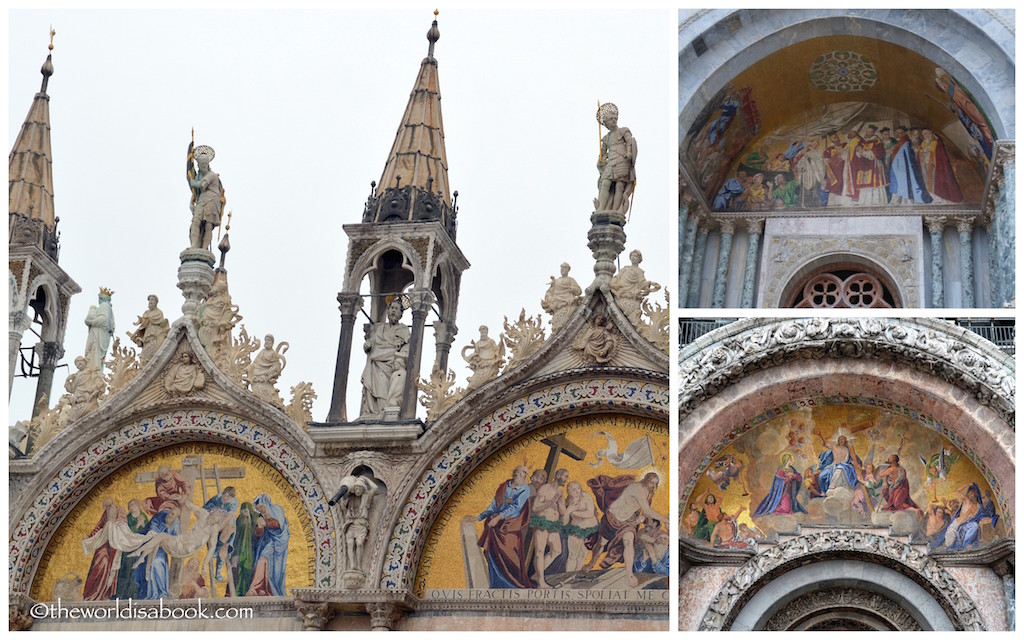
845,598
123,365
958,604
300,409
523,338
897,254
383,615
438,395
239,356
451,465
711,364
314,615
76,476
656,331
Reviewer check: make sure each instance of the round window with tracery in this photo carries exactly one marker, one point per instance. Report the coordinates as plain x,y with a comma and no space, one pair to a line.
844,290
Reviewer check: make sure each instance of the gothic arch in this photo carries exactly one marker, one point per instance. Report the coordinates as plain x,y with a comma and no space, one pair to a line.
961,43
52,324
518,410
413,260
924,582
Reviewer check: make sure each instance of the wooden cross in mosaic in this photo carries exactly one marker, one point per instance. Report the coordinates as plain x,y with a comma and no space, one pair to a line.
560,444
193,469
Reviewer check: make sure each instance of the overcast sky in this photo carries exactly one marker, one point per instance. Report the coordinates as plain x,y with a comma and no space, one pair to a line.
302,108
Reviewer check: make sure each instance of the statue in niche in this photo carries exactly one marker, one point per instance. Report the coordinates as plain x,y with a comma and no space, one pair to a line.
100,320
217,317
599,345
84,388
562,298
265,369
387,349
485,360
184,376
207,197
630,286
152,330
616,164
355,510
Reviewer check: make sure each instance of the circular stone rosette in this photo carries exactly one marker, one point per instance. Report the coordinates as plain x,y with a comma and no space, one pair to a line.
843,71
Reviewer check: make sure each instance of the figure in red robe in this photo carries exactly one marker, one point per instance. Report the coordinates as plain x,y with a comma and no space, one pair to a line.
171,490
101,581
896,491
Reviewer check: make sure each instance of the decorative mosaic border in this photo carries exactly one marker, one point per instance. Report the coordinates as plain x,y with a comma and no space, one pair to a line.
892,407
477,442
71,483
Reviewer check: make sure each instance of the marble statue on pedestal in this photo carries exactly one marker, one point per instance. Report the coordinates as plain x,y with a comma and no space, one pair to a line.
562,298
485,360
100,321
153,328
630,286
387,350
355,511
207,197
616,163
265,369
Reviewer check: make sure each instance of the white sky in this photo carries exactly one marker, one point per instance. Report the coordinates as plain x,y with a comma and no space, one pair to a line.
302,109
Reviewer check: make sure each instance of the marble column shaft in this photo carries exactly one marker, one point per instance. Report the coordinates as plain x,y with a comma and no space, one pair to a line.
722,270
51,355
420,306
964,226
935,226
686,255
697,266
349,303
754,229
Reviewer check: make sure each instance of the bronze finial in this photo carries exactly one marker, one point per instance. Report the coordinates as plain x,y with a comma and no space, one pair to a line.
433,35
47,69
52,33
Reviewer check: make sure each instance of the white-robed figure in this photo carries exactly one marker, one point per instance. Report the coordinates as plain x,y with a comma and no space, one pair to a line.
100,321
387,349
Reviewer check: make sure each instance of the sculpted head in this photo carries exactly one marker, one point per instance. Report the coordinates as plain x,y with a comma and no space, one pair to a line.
268,341
636,257
394,311
483,331
80,362
153,300
565,269
608,114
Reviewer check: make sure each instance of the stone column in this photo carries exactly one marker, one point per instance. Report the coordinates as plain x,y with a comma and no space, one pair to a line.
195,277
935,226
18,323
964,226
349,304
383,615
1004,570
52,353
754,230
606,240
421,301
995,274
444,336
686,255
722,270
700,244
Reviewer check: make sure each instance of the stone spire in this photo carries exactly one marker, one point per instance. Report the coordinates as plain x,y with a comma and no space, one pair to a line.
414,184
30,162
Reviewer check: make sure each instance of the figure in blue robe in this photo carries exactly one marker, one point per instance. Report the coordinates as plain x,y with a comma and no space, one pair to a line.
905,174
782,497
968,533
271,548
730,190
828,467
227,502
721,124
153,577
649,565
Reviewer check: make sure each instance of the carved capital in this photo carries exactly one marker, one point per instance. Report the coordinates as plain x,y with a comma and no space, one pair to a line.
754,225
420,301
964,224
935,224
383,615
52,353
349,303
20,616
727,227
445,332
314,615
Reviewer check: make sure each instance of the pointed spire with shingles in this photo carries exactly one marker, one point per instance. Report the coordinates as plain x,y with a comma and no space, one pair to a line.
30,163
414,184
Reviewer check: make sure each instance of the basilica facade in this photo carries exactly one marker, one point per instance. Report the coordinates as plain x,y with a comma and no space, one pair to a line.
846,158
176,472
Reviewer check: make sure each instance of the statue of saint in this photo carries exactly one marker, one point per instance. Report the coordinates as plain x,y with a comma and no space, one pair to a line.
184,376
85,387
355,509
562,298
630,285
217,317
616,164
100,321
152,330
207,197
387,349
265,369
485,360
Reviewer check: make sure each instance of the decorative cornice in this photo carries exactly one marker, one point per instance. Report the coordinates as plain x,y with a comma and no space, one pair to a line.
801,549
721,357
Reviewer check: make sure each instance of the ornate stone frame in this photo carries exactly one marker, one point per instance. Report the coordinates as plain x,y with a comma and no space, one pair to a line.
524,409
60,487
809,547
